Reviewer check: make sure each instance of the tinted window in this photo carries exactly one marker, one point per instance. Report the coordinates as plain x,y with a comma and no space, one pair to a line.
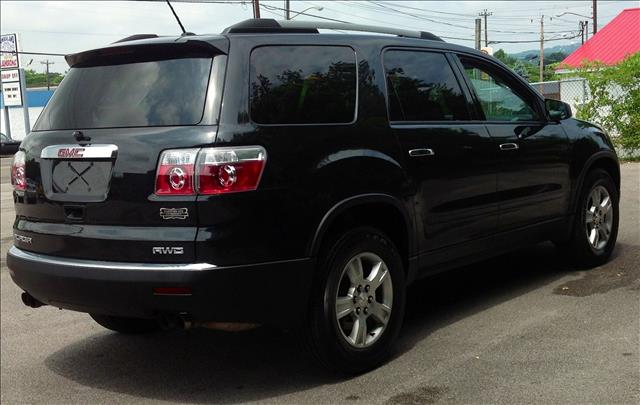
498,100
303,85
422,87
154,93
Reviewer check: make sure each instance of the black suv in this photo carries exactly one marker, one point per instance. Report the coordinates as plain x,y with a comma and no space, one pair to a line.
276,175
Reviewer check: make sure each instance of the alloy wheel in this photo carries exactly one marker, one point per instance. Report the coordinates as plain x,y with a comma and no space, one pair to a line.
364,300
599,217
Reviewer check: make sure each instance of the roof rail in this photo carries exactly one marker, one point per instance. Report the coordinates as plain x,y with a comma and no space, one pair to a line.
136,37
269,25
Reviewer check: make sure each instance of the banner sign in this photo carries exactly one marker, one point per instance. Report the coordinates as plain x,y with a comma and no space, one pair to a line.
12,75
11,94
9,57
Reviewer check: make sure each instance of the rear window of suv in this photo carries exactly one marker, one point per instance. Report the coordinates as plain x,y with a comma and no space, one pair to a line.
144,94
421,86
303,85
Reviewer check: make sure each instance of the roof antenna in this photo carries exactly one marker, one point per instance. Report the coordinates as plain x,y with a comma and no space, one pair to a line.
184,32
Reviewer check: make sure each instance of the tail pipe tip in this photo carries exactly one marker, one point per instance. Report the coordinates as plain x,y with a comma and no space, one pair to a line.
30,301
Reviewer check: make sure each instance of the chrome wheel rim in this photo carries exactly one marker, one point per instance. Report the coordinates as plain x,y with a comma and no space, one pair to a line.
599,217
364,300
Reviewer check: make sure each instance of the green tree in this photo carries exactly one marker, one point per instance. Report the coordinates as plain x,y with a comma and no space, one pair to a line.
554,57
502,56
615,100
36,79
521,69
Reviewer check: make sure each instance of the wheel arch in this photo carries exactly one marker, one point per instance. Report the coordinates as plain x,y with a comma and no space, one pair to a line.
383,211
606,160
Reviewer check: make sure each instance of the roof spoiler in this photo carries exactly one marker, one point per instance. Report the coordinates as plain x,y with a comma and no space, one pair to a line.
269,25
121,52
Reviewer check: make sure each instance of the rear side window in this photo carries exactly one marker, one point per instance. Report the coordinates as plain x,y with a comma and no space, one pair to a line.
303,85
421,86
144,94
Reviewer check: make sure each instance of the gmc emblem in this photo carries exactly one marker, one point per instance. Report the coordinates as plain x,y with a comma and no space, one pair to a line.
70,153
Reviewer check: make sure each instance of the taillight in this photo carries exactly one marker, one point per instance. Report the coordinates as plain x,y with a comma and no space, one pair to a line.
229,170
18,175
175,174
214,171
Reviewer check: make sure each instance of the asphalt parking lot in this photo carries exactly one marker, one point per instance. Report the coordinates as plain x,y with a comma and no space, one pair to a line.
522,328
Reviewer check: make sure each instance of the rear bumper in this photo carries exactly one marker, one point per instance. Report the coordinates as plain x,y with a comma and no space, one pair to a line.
274,293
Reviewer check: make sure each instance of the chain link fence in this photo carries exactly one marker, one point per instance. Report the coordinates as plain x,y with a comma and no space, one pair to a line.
575,92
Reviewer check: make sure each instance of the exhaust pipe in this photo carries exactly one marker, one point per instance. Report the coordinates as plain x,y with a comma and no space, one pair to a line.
222,326
30,301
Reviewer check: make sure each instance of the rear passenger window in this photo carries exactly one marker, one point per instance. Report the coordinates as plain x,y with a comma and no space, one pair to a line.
303,85
422,87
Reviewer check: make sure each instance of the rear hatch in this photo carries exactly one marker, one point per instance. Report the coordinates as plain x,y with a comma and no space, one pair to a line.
90,162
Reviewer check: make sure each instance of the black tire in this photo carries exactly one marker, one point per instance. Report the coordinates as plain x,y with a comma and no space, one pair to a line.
579,250
322,335
129,326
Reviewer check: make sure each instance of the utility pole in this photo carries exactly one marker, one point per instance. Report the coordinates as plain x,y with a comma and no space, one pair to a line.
542,48
47,62
586,30
287,9
478,32
256,8
485,14
595,16
25,101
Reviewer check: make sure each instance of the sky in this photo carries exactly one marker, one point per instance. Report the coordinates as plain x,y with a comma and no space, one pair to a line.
71,26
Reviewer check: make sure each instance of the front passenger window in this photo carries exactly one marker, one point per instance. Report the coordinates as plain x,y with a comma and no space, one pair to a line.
422,87
498,101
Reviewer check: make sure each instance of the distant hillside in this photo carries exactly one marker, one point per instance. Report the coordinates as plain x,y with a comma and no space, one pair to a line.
533,54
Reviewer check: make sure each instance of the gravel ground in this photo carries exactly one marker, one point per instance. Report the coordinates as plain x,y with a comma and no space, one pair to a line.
522,328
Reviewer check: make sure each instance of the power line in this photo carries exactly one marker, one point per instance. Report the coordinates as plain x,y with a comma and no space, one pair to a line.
68,32
376,9
272,8
35,53
420,17
379,21
433,11
533,41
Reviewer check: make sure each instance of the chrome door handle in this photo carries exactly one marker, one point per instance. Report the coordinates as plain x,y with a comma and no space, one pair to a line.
509,146
421,152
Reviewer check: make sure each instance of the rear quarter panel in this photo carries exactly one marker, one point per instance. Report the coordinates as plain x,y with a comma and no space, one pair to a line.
310,168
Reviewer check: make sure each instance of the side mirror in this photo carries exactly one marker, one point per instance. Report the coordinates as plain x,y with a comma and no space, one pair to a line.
558,110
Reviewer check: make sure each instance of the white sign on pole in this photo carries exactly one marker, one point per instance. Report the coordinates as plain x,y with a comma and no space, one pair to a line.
11,94
487,49
9,57
12,75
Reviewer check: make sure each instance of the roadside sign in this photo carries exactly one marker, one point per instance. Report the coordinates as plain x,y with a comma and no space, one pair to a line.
9,57
11,94
12,75
487,49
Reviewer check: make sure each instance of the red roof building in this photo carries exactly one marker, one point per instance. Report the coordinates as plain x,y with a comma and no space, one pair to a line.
614,42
